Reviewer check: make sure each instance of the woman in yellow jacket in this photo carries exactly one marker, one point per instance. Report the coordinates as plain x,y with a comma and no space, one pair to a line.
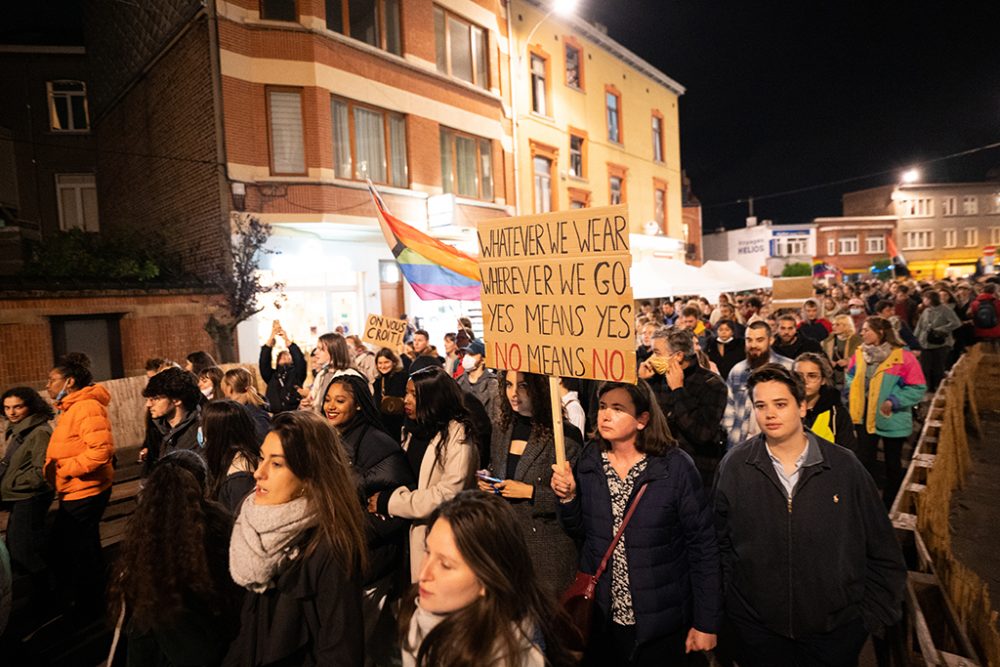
78,465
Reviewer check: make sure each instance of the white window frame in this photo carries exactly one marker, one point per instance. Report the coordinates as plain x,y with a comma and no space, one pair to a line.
950,237
848,245
970,205
924,236
949,206
994,235
66,97
971,237
831,246
478,45
918,207
874,245
77,183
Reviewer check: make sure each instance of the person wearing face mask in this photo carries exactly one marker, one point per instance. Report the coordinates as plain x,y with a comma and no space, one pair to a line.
23,489
840,345
389,389
298,547
521,457
479,599
692,398
379,464
726,349
478,380
856,309
172,398
210,383
286,378
661,595
78,465
826,416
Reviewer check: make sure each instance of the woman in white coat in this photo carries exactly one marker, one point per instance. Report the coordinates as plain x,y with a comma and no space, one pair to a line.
439,440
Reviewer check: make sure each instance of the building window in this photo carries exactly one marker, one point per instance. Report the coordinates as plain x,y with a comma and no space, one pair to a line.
874,245
68,106
791,246
950,238
847,245
831,246
660,204
949,206
971,237
368,143
658,150
374,22
613,105
284,113
76,196
543,184
994,203
577,154
616,184
461,49
466,165
922,207
574,63
922,239
539,84
278,10
578,198
970,205
994,235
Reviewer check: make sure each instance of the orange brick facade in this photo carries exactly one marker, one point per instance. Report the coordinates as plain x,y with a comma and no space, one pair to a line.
168,325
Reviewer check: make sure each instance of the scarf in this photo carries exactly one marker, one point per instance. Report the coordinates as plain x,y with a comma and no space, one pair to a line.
876,354
262,541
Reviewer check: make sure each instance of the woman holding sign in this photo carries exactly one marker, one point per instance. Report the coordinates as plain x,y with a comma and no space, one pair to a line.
520,468
661,595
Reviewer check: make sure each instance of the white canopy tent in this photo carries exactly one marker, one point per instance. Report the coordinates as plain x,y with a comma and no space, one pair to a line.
734,276
654,277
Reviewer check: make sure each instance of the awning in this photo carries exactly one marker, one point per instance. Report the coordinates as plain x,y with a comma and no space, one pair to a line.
734,276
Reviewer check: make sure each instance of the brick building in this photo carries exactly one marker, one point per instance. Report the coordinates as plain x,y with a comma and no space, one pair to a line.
854,243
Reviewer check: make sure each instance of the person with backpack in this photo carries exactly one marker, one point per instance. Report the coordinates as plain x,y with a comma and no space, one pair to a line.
983,310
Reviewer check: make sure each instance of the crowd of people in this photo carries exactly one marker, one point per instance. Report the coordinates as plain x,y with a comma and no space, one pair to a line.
401,506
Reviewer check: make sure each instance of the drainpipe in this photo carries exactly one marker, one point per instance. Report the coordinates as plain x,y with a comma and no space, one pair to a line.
511,47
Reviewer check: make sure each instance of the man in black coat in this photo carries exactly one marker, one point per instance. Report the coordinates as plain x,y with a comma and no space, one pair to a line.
791,342
425,354
172,398
810,561
692,398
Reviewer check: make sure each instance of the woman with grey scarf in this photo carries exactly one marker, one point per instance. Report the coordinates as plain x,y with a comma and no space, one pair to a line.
298,546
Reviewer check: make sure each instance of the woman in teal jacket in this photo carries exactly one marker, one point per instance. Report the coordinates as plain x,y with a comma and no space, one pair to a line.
884,383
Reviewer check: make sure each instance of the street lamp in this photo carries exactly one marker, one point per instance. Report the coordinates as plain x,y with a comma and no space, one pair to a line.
911,176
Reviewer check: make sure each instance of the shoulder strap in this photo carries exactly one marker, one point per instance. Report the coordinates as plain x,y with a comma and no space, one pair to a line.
621,531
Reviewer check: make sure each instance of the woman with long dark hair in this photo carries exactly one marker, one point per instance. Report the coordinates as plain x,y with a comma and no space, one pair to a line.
479,600
198,361
210,383
661,596
521,455
78,465
231,452
884,381
439,439
23,489
298,547
389,390
171,577
379,464
332,357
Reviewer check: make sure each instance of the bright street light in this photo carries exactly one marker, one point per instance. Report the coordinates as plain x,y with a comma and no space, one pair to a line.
564,7
911,176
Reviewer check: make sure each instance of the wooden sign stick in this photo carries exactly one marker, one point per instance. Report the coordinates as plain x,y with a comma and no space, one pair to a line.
557,420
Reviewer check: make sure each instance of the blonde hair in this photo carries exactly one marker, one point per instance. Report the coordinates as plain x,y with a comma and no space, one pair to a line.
241,384
847,321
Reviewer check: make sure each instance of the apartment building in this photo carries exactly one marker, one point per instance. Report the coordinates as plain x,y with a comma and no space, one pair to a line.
854,244
942,228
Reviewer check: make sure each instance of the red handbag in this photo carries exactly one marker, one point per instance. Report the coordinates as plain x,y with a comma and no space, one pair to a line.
578,600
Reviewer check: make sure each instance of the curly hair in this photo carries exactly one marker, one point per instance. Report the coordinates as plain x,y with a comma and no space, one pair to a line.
75,366
175,546
32,400
175,384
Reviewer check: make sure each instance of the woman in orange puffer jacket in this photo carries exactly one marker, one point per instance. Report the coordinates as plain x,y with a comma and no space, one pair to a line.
78,464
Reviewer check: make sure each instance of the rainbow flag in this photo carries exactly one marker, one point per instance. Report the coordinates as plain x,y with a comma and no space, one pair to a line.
435,270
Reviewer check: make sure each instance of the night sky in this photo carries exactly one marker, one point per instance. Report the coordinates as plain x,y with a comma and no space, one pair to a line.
782,96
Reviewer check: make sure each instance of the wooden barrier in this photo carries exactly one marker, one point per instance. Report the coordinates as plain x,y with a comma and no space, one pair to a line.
949,615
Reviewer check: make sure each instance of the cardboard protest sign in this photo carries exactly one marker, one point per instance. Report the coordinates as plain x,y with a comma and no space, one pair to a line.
791,292
384,331
556,295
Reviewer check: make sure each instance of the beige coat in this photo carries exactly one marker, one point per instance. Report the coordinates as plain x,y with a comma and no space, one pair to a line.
438,482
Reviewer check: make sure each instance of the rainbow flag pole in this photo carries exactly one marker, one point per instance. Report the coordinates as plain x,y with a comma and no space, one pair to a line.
435,270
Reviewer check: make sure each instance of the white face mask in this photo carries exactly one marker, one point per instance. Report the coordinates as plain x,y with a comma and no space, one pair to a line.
207,393
469,362
725,340
855,311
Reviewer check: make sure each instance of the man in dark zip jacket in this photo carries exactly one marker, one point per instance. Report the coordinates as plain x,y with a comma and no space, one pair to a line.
810,561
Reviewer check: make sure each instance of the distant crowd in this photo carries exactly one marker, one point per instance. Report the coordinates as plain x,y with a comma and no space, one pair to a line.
404,506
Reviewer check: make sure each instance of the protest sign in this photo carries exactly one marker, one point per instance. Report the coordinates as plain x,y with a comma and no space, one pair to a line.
791,292
384,331
556,295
